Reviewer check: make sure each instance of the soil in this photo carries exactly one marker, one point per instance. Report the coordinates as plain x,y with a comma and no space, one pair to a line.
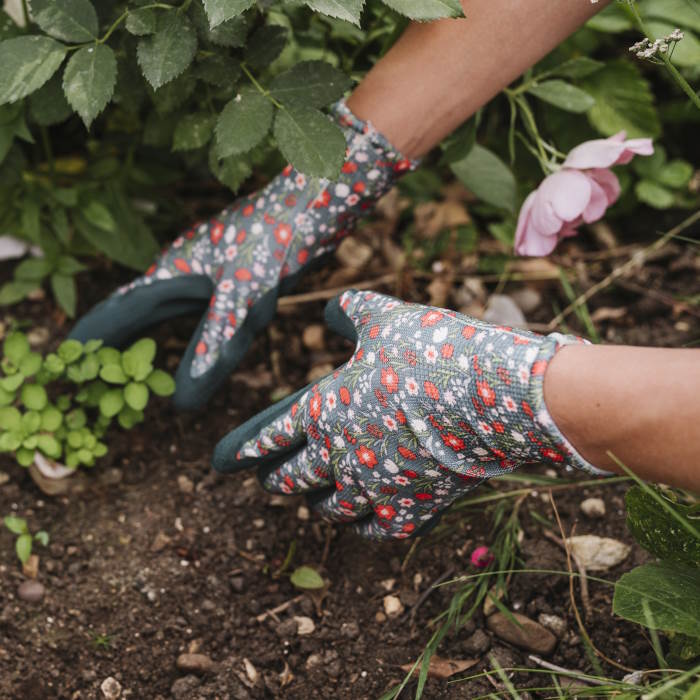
161,556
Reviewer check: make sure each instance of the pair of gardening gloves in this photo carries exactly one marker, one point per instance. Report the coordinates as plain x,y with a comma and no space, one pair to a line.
431,403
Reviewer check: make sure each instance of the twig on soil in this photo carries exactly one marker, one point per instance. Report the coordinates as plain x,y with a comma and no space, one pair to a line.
587,610
637,260
426,593
280,608
572,596
564,671
666,299
409,554
324,294
327,544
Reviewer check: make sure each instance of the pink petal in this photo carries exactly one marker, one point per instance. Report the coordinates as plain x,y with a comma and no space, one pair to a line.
534,243
608,181
523,220
568,191
597,204
600,153
635,147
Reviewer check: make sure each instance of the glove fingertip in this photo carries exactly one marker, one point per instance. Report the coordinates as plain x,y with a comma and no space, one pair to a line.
337,314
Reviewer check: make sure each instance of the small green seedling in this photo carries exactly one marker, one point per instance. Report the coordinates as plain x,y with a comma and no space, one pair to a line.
306,579
25,539
61,405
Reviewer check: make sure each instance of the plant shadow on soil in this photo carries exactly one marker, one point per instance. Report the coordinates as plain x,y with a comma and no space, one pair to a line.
175,558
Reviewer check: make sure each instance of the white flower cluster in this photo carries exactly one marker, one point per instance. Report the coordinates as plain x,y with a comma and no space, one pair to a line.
650,49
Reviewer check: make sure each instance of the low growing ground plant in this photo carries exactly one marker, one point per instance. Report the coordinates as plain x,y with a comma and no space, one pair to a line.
60,406
25,540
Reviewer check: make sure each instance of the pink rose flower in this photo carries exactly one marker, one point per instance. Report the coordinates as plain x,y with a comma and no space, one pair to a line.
481,557
580,192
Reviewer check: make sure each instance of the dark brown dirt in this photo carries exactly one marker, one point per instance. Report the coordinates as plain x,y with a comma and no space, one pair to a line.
140,571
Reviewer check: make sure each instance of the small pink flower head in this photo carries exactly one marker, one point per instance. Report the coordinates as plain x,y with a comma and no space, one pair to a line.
481,557
579,193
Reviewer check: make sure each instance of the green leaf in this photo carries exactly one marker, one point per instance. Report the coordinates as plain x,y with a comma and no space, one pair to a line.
24,457
219,11
578,67
89,80
624,101
16,347
29,366
10,418
310,141
310,83
136,395
426,9
265,45
128,418
563,95
74,21
51,419
111,403
306,578
161,383
33,269
70,350
9,442
76,419
98,215
27,63
42,537
193,131
141,21
54,364
113,374
653,194
232,171
48,105
231,33
12,292
243,123
658,531
17,526
167,53
488,177
218,69
23,547
611,20
349,10
144,350
671,593
109,356
8,26
34,397
682,13
49,446
68,265
65,292
13,382
675,174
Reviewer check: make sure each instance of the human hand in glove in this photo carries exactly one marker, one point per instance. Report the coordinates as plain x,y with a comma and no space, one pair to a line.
232,268
431,404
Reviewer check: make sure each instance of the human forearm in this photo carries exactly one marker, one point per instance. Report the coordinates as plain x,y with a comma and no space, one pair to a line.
640,404
440,73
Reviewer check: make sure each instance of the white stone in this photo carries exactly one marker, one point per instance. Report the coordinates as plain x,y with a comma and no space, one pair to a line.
503,311
111,689
393,607
598,553
305,625
593,507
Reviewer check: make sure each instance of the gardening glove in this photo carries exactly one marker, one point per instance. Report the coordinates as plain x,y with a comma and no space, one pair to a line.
431,404
233,267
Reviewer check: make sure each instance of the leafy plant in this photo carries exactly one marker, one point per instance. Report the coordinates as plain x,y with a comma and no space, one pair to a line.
664,595
61,405
25,539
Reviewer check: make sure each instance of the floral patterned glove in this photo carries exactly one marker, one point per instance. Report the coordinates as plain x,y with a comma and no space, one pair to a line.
233,267
431,404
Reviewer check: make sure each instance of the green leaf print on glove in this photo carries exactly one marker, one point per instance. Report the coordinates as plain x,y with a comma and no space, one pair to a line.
431,404
233,267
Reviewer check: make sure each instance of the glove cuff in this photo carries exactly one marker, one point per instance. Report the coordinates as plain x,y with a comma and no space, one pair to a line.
553,447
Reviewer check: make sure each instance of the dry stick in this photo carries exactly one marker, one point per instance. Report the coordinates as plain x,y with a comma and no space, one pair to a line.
572,596
564,671
581,570
662,298
426,593
324,294
327,544
280,608
637,260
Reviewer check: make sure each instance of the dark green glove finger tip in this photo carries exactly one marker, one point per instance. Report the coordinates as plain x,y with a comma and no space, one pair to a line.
338,321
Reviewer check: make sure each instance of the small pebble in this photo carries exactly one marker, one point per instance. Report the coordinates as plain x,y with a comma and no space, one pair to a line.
313,661
593,507
380,617
303,513
312,337
31,591
185,484
4,478
393,606
195,663
553,623
111,689
305,625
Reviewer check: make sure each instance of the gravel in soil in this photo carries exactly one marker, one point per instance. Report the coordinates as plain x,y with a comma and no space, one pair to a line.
162,577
